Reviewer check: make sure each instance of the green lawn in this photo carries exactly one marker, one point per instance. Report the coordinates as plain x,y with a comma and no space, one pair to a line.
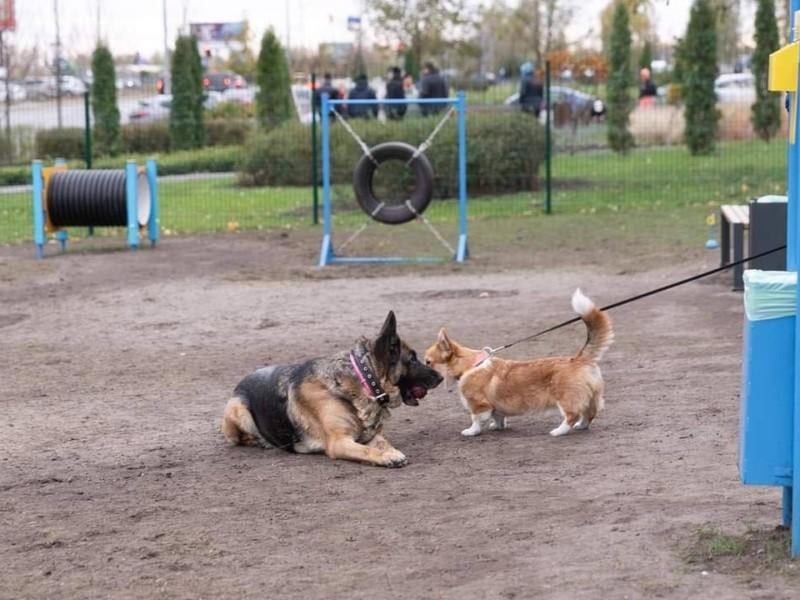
664,181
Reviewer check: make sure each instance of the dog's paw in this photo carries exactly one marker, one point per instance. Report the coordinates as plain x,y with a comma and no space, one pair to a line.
471,432
498,425
394,459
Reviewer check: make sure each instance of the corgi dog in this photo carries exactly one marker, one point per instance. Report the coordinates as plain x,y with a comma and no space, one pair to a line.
492,388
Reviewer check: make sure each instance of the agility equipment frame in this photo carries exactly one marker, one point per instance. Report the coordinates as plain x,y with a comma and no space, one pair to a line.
327,254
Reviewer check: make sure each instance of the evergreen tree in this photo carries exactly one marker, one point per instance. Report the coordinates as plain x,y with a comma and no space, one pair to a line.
107,132
620,82
766,110
273,101
646,57
410,64
186,113
198,92
699,70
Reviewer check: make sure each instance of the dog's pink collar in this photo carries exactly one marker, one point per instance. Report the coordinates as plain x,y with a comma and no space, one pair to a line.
371,387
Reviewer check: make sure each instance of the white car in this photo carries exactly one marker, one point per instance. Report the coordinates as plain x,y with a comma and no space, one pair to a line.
152,110
156,108
15,91
735,87
72,86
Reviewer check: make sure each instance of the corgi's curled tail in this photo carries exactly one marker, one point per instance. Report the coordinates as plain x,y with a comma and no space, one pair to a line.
599,332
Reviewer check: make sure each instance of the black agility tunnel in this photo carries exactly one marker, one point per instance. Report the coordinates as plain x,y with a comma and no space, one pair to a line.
94,198
393,214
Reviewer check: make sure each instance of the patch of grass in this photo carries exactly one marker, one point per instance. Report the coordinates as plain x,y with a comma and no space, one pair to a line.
660,193
751,555
717,543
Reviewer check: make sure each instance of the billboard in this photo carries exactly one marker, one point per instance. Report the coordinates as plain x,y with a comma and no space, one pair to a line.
7,22
216,32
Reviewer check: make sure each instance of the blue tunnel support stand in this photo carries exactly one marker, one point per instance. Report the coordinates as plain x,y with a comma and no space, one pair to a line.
327,255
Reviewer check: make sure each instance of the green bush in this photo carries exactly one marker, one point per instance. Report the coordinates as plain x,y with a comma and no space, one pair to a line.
228,132
149,137
232,110
504,152
67,142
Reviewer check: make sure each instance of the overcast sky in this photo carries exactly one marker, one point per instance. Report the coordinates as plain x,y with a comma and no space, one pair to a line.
137,25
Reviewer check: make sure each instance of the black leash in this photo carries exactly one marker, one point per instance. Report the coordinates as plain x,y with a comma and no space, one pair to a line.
643,295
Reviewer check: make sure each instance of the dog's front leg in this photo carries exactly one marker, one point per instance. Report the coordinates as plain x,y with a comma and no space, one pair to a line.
348,449
478,419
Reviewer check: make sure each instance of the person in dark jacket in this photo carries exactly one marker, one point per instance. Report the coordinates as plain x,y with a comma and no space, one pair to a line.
396,91
432,85
362,91
531,91
327,87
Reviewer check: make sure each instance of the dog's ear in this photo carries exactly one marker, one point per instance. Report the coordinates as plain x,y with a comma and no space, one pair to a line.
444,342
386,347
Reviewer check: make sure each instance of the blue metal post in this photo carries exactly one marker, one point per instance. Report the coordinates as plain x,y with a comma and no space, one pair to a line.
326,252
793,224
131,195
463,250
152,182
38,208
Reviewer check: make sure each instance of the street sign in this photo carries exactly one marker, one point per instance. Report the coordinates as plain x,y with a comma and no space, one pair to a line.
7,21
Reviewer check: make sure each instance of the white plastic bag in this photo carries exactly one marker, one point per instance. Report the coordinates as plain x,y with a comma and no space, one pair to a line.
769,294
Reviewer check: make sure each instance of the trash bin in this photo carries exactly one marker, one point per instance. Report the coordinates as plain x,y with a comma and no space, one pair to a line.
767,400
767,231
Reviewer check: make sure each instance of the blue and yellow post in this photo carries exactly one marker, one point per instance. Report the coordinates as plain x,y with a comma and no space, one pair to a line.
770,423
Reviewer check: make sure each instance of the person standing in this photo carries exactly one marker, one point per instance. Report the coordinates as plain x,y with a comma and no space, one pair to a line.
327,87
647,89
395,90
531,91
432,85
362,91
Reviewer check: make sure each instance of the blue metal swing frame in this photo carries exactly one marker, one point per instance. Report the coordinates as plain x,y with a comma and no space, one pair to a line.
327,254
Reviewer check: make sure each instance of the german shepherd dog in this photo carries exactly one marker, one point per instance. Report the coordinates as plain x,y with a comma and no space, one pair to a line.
335,405
492,388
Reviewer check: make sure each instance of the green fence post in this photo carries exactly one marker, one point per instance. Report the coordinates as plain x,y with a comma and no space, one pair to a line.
87,132
314,178
548,150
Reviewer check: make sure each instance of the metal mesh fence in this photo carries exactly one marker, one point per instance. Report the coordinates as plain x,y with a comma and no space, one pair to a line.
224,188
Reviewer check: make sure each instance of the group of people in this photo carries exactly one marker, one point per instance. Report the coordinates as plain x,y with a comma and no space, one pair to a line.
431,85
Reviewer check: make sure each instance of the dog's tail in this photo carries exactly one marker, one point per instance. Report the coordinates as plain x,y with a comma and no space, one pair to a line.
599,332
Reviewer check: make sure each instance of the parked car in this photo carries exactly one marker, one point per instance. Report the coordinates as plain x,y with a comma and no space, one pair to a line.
16,92
37,88
580,102
219,82
156,108
71,86
152,110
245,95
735,87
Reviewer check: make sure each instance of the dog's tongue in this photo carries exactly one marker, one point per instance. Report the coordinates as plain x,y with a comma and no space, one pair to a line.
419,392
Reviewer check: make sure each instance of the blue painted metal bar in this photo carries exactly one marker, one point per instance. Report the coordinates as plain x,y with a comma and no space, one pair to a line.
154,223
793,224
386,259
463,251
787,506
131,194
39,237
326,252
448,100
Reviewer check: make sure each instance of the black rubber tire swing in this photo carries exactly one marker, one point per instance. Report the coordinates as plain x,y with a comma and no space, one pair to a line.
393,214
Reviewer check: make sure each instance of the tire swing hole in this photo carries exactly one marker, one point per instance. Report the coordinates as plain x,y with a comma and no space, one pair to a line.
382,189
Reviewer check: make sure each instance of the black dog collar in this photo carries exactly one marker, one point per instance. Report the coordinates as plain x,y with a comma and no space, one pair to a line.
359,358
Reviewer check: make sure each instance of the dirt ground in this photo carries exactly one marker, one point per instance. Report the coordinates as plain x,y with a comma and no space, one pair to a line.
115,483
